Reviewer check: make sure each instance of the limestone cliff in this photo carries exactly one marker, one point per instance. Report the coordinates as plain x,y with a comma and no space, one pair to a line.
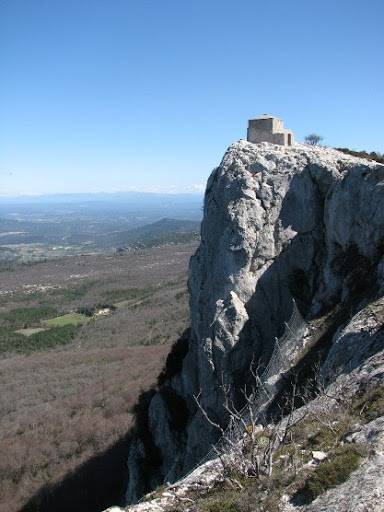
279,224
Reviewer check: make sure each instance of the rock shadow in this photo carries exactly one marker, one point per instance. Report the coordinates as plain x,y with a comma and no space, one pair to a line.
294,274
92,487
102,481
298,273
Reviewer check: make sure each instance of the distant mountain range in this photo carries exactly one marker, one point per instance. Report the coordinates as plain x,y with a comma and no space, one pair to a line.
141,198
157,233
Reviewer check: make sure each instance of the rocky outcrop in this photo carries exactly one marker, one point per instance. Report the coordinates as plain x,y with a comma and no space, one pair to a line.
364,489
279,224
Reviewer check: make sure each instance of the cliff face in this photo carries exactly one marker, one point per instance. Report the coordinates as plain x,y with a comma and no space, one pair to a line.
279,224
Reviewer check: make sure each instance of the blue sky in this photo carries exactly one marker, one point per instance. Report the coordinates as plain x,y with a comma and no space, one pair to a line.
147,94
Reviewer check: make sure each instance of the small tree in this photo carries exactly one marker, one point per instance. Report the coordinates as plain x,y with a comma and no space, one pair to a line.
313,139
248,444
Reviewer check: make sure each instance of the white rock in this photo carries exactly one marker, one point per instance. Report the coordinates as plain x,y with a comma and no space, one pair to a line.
319,456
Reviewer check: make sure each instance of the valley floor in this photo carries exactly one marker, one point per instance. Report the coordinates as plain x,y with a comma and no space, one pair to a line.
63,404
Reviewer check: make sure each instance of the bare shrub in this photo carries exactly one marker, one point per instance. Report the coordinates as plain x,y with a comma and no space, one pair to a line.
313,139
248,444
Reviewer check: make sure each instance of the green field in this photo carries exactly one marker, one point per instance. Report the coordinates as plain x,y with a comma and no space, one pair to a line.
54,317
68,319
29,331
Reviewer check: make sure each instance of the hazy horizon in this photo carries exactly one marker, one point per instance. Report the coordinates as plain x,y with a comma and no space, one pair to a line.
172,193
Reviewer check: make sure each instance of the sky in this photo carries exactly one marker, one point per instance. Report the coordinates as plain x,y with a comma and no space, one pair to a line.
106,95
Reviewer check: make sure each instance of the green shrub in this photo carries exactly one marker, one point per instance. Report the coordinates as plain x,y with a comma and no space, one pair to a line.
221,506
335,471
327,437
371,404
373,155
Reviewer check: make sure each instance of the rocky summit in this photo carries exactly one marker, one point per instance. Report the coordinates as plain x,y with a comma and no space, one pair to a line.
286,231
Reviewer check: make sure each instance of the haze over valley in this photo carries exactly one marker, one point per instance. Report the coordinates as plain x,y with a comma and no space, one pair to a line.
34,228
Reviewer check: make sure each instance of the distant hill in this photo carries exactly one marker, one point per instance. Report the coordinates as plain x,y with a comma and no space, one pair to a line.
67,224
41,240
165,226
157,233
